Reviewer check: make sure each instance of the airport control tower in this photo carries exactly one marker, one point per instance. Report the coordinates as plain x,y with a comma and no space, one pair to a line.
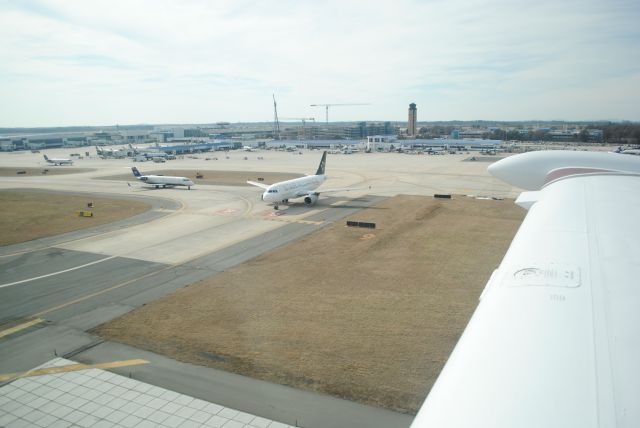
413,117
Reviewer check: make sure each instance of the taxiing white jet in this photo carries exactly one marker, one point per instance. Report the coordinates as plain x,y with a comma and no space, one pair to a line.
555,340
54,162
303,187
162,180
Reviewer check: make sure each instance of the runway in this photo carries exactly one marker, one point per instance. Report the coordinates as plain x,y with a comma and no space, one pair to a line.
31,284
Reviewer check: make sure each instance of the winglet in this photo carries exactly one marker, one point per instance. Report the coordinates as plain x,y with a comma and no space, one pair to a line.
323,161
136,172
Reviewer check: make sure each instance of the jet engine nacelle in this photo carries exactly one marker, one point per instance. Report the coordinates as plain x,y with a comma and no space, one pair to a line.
311,199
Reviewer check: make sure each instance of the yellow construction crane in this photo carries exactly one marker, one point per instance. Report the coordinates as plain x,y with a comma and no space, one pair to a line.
304,121
326,107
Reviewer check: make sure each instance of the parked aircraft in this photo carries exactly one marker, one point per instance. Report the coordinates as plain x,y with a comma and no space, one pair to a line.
628,151
150,153
111,153
554,339
435,150
59,161
303,187
162,180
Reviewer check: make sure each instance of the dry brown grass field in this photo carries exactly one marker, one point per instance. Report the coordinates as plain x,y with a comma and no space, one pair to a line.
27,215
48,170
366,315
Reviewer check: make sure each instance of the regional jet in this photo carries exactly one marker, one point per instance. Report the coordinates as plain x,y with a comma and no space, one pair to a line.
303,187
554,341
162,180
59,161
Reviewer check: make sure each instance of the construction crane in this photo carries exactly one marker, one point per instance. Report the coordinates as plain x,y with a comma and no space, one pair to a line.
276,122
303,120
326,107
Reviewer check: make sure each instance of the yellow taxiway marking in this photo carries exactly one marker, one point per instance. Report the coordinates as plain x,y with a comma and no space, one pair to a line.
71,368
106,290
291,220
236,213
12,330
286,220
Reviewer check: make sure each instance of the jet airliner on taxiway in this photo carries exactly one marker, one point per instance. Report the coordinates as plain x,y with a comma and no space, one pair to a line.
59,161
303,187
162,180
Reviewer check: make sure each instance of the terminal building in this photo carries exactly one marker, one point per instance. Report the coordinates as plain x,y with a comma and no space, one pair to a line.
42,141
348,131
391,143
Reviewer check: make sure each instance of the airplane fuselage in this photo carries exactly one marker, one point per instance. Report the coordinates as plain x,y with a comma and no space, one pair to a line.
290,189
56,162
62,162
166,180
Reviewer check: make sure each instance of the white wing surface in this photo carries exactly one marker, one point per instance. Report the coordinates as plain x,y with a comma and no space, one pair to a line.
318,192
337,189
255,183
555,340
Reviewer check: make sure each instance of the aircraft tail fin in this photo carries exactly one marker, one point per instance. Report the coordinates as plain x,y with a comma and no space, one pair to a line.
136,172
45,157
323,161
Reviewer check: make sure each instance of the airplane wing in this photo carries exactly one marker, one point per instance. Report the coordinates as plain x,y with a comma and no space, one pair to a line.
343,189
555,340
255,183
317,192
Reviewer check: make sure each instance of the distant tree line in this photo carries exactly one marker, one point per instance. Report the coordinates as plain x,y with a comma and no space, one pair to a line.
613,133
621,133
435,131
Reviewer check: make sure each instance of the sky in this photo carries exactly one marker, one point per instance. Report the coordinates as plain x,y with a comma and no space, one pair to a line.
98,62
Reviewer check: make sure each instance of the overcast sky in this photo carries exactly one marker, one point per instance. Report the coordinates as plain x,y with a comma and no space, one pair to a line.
126,62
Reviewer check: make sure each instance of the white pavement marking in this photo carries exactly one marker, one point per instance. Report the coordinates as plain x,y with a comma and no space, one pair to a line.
58,273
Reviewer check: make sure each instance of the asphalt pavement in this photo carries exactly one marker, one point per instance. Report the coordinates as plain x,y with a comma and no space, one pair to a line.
74,291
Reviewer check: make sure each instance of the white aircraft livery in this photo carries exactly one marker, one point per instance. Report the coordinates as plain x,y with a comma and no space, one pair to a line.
555,339
162,180
54,162
303,187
